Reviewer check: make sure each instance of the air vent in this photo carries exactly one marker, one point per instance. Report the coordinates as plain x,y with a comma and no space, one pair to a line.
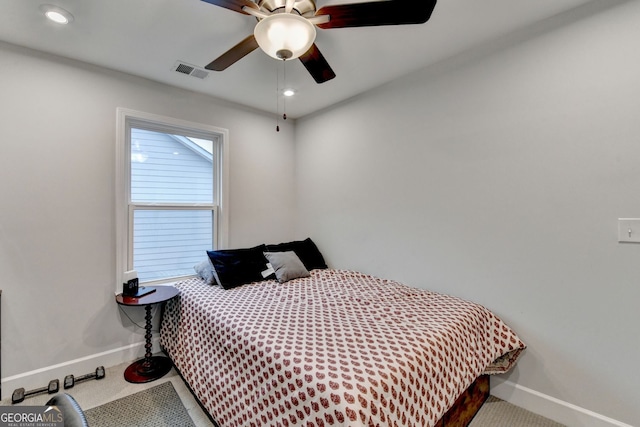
190,70
184,69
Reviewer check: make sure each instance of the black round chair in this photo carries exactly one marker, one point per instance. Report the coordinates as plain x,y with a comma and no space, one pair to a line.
73,414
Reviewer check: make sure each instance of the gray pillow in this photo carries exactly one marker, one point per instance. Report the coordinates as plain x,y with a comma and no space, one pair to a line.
206,271
286,265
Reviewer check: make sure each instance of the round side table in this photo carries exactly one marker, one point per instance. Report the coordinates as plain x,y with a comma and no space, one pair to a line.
150,368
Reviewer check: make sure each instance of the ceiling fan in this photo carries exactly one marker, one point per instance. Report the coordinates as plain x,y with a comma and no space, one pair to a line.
286,28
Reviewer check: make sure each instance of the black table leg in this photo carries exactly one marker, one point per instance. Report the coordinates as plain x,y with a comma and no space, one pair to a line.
151,367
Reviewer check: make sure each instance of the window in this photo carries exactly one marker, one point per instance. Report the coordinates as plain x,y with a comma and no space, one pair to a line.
170,195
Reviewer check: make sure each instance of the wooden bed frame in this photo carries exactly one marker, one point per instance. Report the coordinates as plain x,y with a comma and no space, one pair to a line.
467,405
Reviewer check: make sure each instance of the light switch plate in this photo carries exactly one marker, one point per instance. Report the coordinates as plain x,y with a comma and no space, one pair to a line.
629,230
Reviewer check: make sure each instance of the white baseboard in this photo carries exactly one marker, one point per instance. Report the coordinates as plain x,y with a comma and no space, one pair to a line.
550,407
40,377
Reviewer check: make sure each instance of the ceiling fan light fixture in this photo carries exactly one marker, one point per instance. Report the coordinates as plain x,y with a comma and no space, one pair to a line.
285,36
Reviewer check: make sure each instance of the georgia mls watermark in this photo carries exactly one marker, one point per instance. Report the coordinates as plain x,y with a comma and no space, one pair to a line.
31,416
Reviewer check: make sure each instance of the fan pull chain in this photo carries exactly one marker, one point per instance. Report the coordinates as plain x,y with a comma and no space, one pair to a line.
277,97
284,98
284,101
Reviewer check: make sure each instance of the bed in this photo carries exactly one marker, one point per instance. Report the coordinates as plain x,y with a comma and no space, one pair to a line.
334,347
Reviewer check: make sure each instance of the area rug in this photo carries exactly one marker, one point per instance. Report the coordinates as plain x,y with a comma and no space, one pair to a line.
158,406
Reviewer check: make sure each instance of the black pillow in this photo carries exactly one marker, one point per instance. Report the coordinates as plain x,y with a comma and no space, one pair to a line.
306,250
236,267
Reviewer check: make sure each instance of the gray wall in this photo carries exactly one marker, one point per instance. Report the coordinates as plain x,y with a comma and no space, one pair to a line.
57,220
499,176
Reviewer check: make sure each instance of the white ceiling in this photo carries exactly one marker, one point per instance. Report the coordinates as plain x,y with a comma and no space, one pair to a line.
147,37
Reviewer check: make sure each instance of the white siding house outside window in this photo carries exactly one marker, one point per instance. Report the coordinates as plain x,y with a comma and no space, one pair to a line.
172,205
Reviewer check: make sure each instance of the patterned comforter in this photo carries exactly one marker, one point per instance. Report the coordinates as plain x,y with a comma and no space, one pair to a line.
336,348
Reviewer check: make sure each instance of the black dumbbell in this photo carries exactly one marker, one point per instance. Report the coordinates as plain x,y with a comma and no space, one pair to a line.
70,380
19,394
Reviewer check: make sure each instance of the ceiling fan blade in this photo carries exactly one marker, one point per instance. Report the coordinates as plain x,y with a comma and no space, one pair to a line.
317,66
235,5
390,12
234,54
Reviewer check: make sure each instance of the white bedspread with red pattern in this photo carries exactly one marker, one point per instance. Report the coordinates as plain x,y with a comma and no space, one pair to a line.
336,348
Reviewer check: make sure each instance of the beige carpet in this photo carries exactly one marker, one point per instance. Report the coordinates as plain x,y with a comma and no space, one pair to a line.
498,413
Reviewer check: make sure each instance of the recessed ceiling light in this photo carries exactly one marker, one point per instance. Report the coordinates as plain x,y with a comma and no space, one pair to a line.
289,92
56,14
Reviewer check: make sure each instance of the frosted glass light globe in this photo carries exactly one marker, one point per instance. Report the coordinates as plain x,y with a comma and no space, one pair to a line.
284,35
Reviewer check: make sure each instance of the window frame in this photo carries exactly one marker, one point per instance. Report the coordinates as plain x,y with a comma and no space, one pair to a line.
125,120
